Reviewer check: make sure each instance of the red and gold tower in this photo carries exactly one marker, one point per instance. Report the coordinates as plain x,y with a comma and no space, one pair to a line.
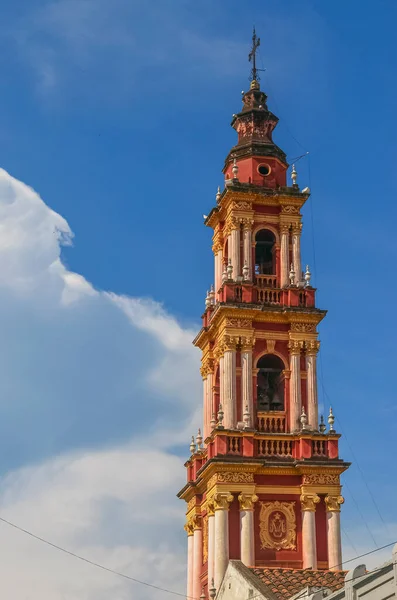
265,486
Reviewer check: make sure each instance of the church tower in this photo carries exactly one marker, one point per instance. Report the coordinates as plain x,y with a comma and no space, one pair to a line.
263,481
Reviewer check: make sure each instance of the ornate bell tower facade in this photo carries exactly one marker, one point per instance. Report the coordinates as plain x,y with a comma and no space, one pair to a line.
264,487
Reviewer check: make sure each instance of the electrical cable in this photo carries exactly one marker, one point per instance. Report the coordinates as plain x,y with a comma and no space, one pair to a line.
93,563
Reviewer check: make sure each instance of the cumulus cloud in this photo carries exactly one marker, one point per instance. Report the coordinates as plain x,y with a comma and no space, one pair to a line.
94,390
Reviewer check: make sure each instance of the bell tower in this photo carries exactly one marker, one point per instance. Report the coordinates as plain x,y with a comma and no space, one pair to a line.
263,481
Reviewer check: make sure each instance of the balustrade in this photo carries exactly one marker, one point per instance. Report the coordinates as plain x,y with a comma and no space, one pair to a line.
268,296
266,281
319,448
273,422
273,447
234,445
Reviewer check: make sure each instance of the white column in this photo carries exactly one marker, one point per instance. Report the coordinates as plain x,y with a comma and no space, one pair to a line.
221,504
312,396
247,382
211,543
309,545
334,541
229,387
205,408
221,382
218,271
248,250
247,540
189,531
284,256
295,407
197,556
210,402
235,254
296,252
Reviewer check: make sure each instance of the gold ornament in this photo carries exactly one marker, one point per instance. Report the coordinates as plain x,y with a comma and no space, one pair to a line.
308,502
333,503
205,539
235,477
277,525
222,501
247,501
321,479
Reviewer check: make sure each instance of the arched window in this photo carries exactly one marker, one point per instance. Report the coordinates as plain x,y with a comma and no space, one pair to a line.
270,383
265,259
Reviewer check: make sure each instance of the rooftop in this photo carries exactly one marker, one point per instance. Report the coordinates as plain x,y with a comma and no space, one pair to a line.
285,583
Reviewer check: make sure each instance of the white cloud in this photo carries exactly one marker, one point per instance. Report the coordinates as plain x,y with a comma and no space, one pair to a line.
94,389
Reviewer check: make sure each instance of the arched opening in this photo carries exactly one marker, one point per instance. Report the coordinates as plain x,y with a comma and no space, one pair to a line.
270,383
265,256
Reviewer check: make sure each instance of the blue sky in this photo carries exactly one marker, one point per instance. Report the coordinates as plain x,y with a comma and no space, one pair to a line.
117,114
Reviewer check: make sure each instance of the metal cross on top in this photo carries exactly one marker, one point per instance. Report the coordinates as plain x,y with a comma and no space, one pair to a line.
252,56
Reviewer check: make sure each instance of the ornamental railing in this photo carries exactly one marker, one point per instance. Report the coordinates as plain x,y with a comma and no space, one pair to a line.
266,281
272,422
274,447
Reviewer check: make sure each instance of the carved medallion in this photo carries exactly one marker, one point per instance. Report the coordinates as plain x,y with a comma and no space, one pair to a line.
277,525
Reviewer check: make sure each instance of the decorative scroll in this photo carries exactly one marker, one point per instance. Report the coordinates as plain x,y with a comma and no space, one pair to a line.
232,477
290,210
304,327
233,322
277,525
321,479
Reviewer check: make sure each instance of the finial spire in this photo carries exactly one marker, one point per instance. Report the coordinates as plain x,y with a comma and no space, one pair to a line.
252,56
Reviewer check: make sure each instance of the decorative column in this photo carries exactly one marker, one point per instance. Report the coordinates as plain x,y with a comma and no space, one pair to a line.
189,531
247,250
295,405
309,547
247,541
284,259
229,383
221,381
211,541
235,250
246,378
312,398
334,541
205,402
221,505
210,397
296,250
197,555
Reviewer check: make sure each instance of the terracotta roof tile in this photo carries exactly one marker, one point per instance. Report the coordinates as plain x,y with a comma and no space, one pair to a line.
284,583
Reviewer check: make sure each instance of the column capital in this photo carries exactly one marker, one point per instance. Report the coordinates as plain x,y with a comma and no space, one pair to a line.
284,228
309,501
197,522
333,503
188,527
295,346
229,342
248,224
210,508
207,367
247,501
222,501
234,223
312,347
296,228
217,246
247,343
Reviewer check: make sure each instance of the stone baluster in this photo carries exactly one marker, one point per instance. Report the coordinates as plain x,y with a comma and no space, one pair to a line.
309,547
247,540
296,251
334,541
221,558
211,540
197,554
295,385
284,259
218,258
312,396
190,554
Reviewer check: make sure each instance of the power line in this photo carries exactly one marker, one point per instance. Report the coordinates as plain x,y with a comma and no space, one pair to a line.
93,563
